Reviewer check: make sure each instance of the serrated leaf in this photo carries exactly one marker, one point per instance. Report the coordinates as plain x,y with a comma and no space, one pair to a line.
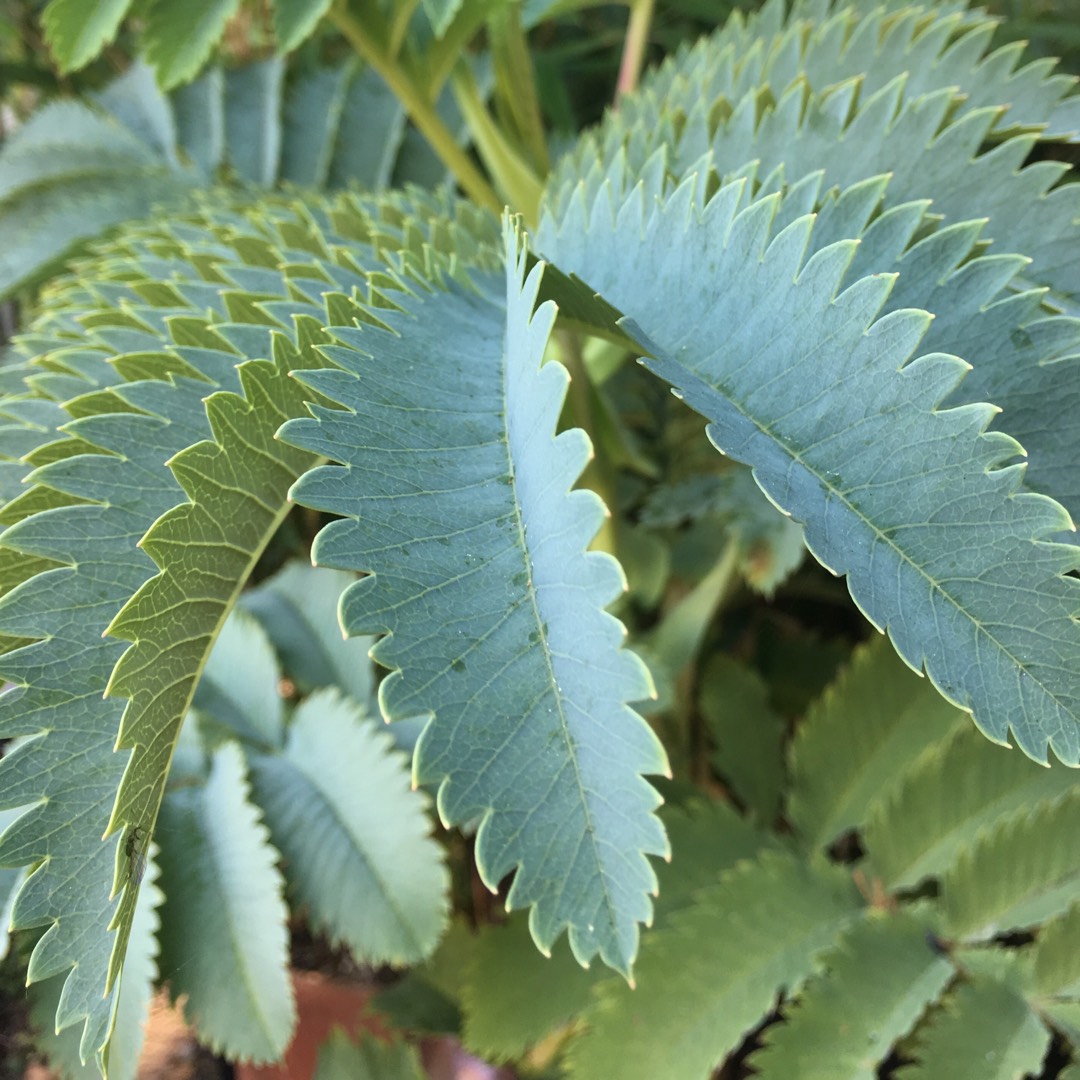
985,1032
707,839
180,37
714,973
239,683
746,733
224,941
992,624
369,1059
958,788
360,857
875,986
530,733
133,1000
94,496
76,30
857,740
98,565
137,978
295,21
1041,852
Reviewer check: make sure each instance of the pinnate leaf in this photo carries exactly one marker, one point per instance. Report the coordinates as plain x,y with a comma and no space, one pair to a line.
452,419
358,855
224,939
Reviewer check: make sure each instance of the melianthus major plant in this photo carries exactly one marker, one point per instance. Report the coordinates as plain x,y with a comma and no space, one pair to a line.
836,232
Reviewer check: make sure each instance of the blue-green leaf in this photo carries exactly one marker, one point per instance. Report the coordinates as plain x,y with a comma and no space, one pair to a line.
455,491
845,432
356,840
224,939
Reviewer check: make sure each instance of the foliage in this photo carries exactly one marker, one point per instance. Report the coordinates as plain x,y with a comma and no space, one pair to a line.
845,235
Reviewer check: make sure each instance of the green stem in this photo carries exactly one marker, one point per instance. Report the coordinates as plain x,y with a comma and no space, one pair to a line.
637,37
517,105
419,109
518,182
399,24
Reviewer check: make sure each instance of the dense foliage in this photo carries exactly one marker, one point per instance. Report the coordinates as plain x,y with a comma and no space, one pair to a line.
336,284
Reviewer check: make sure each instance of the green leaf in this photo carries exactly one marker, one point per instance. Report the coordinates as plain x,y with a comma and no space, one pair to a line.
1017,874
297,608
986,1031
526,684
76,30
747,734
180,37
877,982
707,839
991,623
513,996
714,973
370,1059
295,21
857,739
138,978
224,941
958,788
199,113
359,857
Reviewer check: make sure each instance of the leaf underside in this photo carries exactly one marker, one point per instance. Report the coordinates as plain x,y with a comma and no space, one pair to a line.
454,496
818,392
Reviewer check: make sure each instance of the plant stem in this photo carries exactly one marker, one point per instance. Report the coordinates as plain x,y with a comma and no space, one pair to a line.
637,37
518,182
419,109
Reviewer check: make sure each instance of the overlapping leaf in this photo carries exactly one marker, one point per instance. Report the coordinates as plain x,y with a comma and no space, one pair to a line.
86,513
845,432
359,855
940,804
712,974
222,887
985,1032
875,986
455,495
884,718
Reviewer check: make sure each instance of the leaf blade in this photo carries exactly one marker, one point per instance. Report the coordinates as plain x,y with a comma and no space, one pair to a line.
500,474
